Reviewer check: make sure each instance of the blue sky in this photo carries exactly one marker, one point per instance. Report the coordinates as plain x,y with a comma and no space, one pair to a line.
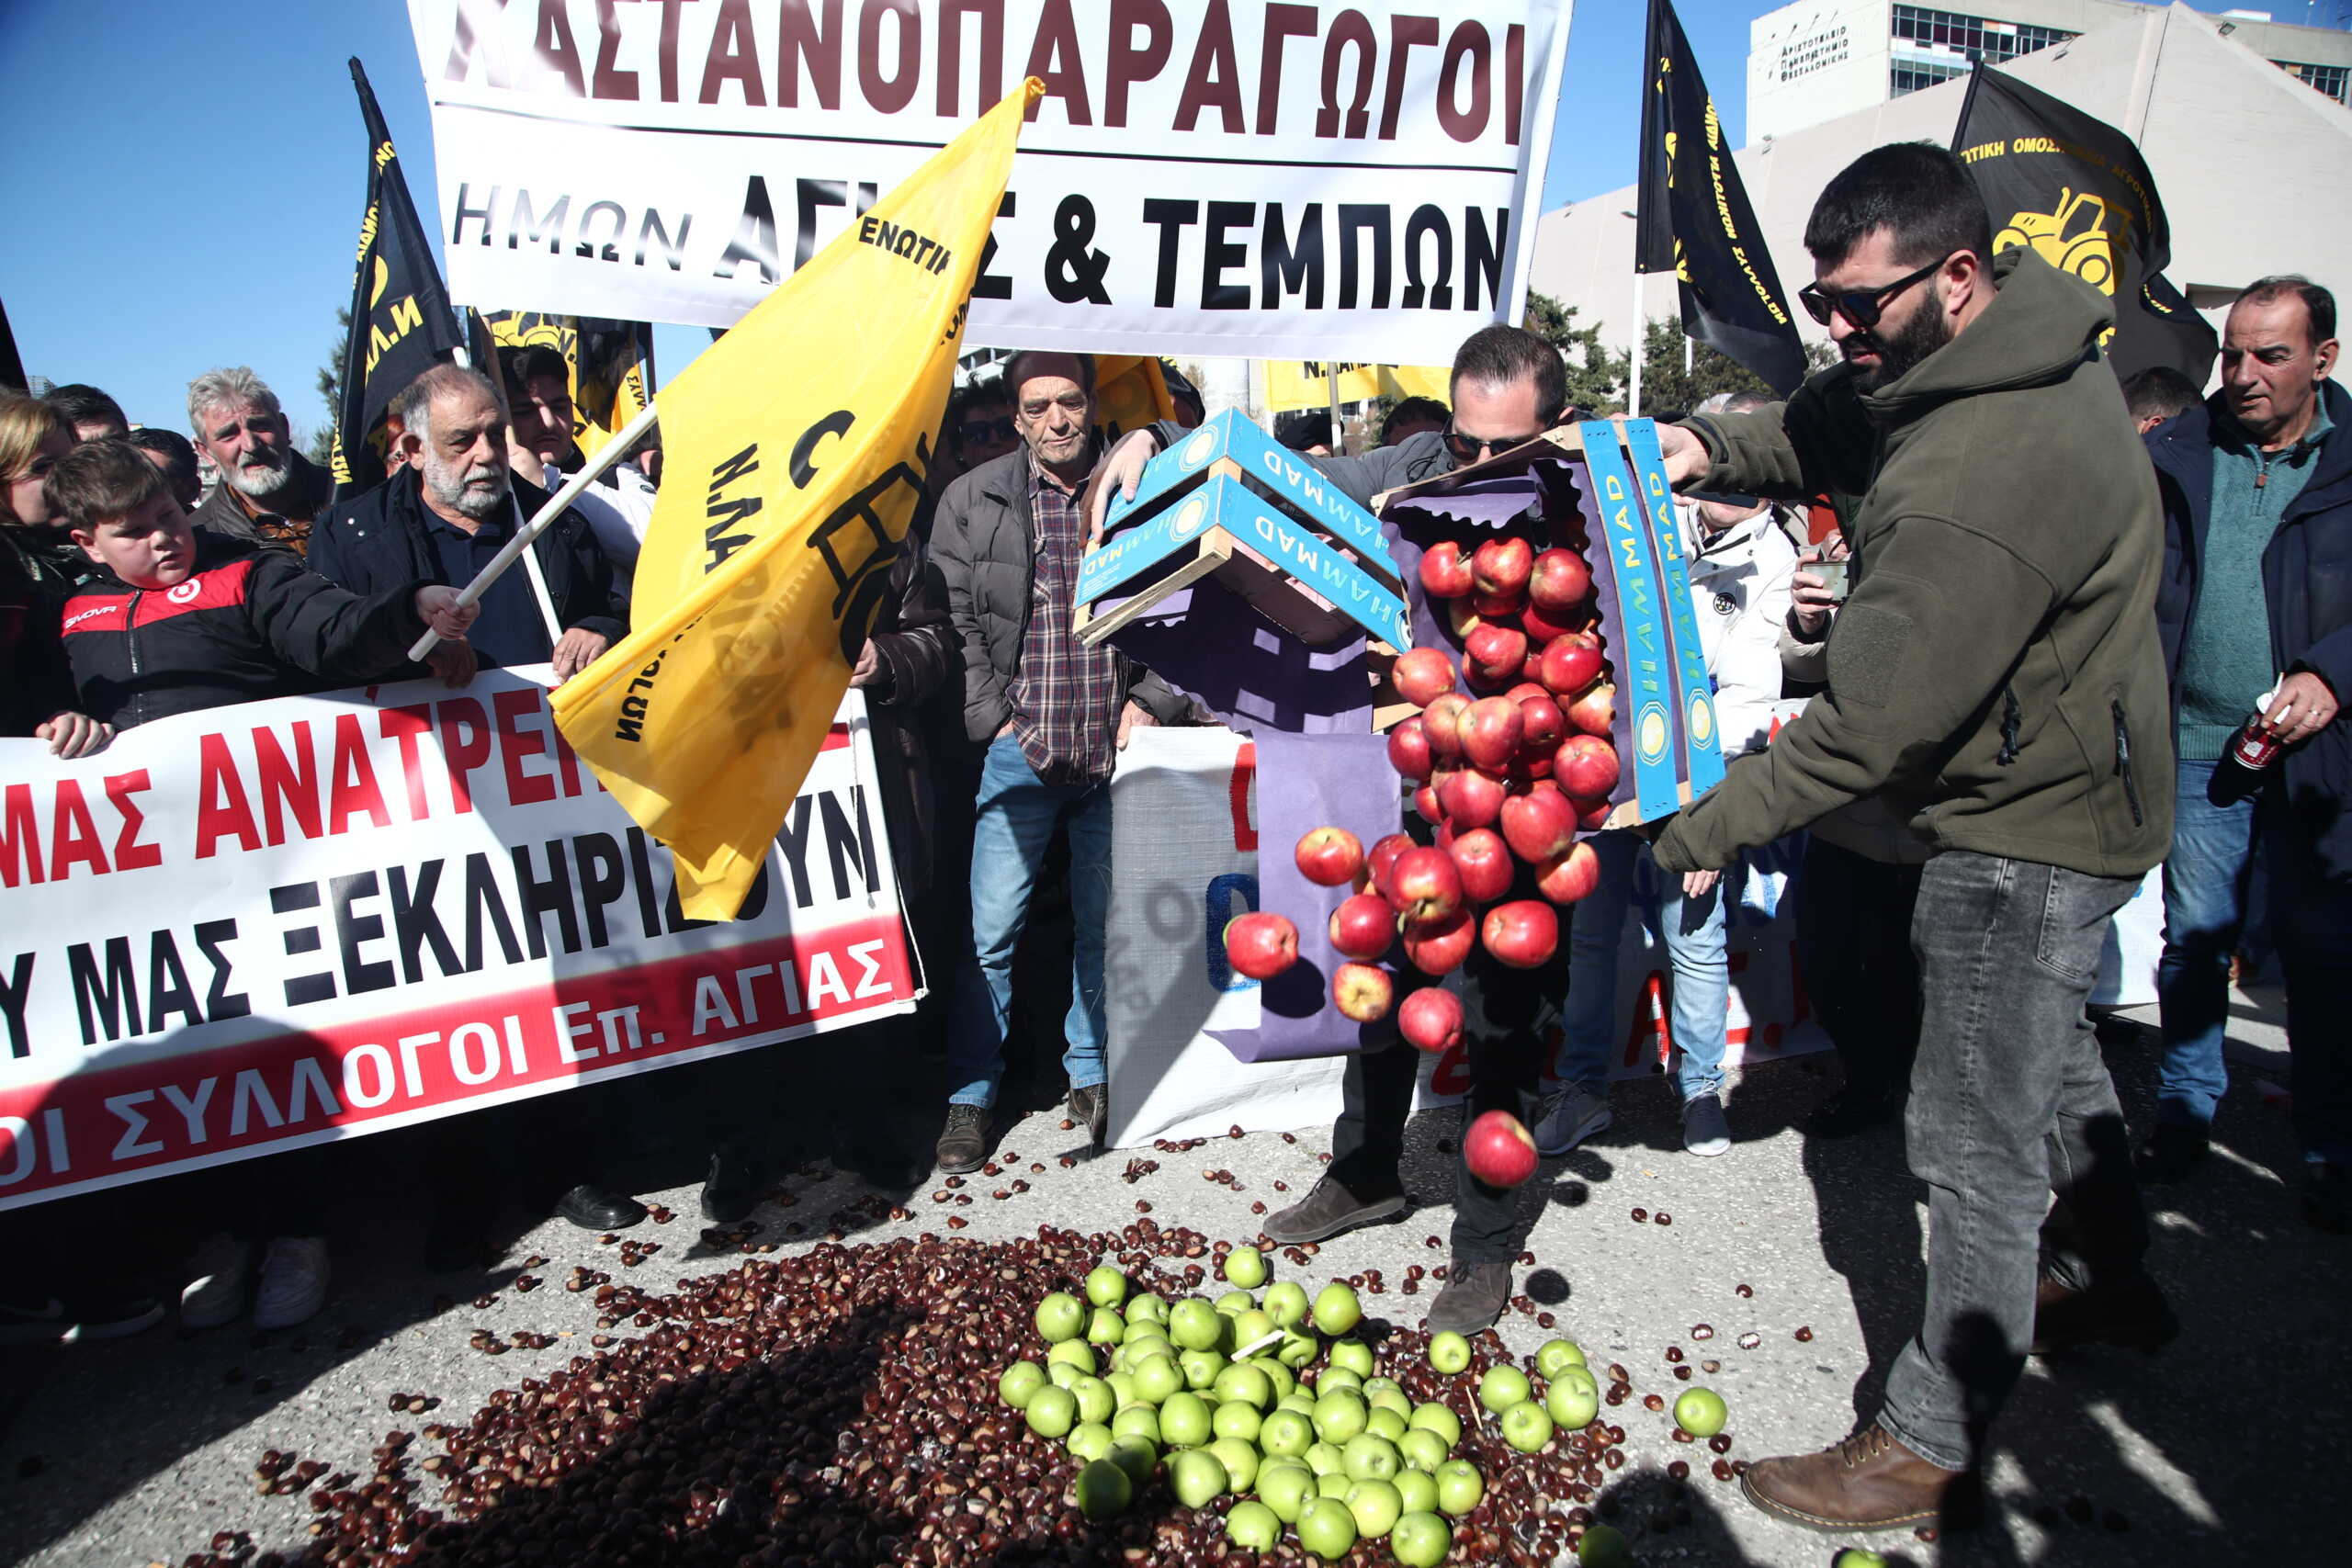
183,184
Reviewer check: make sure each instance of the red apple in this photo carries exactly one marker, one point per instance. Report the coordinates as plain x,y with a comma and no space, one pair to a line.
1470,799
1491,732
1495,654
1363,926
1543,630
1502,567
1362,992
1261,945
1483,860
1462,618
1382,859
1495,606
1538,824
1530,687
1585,765
1408,750
1595,711
1424,886
1593,811
1559,581
1571,874
1328,856
1445,572
1430,1018
1440,722
1440,948
1497,1150
1523,933
1420,673
1570,666
1425,801
1542,727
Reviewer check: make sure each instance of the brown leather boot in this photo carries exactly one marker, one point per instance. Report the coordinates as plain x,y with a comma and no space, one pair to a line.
2130,1313
1870,1481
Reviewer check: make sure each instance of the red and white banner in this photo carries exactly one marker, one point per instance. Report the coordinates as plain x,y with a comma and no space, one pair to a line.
269,926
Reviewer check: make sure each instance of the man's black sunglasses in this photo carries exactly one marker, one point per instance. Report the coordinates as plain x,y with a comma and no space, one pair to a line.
1862,306
972,432
1468,449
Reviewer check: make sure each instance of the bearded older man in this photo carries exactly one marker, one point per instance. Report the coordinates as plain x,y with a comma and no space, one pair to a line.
450,509
268,493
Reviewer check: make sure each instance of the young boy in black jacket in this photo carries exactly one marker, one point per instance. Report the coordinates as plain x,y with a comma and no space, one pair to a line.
176,622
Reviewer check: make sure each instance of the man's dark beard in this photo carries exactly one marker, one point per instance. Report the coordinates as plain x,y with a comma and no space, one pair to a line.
1900,353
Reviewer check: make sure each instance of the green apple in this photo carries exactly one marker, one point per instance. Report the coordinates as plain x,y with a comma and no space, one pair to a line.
1201,1369
1330,1380
1123,1389
1339,1484
1196,1477
1103,1489
1158,1378
1233,1304
1063,1372
1106,1327
1276,1374
1245,1266
1299,1399
1339,1416
1089,1441
1503,1387
1235,1419
1573,1399
1526,1426
1352,1354
1137,1421
1019,1381
1185,1421
1193,1324
1459,1486
1253,1527
1148,1308
1138,1454
1438,1419
1416,1491
1297,1350
1604,1546
1285,1434
1144,1339
1421,1540
1337,1309
1077,1353
1324,1459
1061,1316
1241,1462
1095,1400
1327,1528
1250,1327
1388,1398
1285,1486
1240,1383
1854,1556
1554,1354
1286,1303
1383,1422
1368,1458
1449,1352
1106,1287
1376,1384
1052,1412
1422,1448
1375,1505
1699,1412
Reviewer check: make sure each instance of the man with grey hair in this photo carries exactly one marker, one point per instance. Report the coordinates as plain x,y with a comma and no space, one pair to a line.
268,493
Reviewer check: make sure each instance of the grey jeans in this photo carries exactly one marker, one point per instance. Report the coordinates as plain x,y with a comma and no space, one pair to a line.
2011,1102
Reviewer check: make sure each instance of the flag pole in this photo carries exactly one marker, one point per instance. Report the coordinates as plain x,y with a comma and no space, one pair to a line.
531,563
604,457
1332,391
1634,387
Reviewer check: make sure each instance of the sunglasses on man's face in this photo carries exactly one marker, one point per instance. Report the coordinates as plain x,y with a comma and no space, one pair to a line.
1468,449
1862,306
973,432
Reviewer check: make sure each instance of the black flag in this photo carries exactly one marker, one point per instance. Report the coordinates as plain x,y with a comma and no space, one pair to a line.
400,324
1694,220
2078,191
12,368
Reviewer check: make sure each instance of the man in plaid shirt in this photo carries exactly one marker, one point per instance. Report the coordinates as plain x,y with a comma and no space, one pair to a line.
1053,713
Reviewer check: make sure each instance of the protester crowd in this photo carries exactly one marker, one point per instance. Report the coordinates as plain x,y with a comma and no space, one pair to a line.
2065,629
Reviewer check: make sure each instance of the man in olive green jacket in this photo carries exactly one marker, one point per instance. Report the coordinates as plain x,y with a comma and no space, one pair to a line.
1995,675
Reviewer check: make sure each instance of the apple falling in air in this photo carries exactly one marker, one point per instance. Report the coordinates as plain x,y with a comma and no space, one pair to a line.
1491,731
1596,711
1431,1020
1441,722
1424,886
1328,857
1538,824
1260,944
1363,927
1445,571
1497,1150
1408,749
1523,933
1382,857
1363,991
1570,875
1440,948
1483,860
1570,666
1585,765
1420,674
1470,798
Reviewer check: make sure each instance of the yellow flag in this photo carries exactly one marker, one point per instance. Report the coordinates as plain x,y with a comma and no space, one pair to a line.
1129,393
795,450
1304,383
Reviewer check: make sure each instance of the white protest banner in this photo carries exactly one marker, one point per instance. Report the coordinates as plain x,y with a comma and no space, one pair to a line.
268,926
1308,181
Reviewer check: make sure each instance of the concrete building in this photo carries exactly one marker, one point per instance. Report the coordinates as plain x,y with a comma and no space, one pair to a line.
2254,166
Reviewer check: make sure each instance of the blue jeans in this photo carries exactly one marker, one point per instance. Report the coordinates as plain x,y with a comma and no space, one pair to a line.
1016,812
1694,932
2206,879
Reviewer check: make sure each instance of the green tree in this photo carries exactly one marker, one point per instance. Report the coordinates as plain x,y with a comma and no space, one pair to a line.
1666,387
1596,377
331,389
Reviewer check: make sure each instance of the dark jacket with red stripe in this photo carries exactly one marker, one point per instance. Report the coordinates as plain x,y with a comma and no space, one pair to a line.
247,623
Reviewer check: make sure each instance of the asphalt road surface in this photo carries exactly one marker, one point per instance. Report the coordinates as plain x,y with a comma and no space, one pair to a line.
2226,1448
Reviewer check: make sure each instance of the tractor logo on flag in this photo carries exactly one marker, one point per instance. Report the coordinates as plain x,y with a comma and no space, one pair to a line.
2081,235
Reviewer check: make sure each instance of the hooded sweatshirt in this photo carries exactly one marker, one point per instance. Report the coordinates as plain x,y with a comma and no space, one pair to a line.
1994,673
